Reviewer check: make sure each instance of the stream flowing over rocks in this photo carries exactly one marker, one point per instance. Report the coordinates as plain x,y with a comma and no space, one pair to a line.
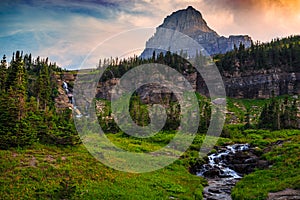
226,167
71,100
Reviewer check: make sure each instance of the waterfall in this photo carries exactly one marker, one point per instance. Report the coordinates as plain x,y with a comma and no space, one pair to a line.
71,99
65,86
87,107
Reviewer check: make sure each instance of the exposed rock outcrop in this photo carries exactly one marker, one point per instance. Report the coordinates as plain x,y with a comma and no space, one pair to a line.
261,84
288,194
258,84
62,101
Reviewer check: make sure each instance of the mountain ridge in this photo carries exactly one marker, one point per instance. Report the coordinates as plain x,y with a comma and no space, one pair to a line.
191,23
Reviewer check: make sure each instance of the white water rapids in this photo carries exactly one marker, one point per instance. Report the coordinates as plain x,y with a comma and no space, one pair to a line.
221,178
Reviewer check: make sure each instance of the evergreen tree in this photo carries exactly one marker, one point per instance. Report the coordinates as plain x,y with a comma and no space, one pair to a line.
3,69
17,84
43,87
15,130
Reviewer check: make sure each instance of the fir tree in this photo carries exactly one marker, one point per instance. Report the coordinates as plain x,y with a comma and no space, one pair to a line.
3,69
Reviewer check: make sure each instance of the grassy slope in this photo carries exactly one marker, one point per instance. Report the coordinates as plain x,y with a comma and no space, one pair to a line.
284,172
48,172
240,106
286,158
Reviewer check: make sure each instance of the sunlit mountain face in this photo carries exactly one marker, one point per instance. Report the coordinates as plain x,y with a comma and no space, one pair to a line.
66,31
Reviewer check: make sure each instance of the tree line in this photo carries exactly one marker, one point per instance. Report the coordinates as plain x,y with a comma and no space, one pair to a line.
280,114
27,110
279,53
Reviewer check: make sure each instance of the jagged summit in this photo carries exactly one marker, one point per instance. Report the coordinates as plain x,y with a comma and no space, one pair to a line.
191,8
190,22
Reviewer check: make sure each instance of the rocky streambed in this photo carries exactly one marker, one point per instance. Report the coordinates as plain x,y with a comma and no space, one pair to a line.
226,167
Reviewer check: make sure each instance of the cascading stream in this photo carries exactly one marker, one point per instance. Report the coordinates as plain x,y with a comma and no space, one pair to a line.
71,98
221,177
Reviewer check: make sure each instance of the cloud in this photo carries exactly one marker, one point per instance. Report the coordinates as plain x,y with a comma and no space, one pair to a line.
67,30
262,19
239,6
63,33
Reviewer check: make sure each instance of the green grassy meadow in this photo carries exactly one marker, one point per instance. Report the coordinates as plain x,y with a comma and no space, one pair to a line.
51,172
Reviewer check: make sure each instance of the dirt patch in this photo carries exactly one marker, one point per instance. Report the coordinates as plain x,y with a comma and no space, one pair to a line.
288,194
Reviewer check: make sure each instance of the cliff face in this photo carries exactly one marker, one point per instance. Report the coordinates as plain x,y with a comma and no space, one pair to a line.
258,84
262,84
149,93
252,85
191,23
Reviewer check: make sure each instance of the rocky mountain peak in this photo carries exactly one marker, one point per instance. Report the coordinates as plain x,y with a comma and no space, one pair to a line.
188,21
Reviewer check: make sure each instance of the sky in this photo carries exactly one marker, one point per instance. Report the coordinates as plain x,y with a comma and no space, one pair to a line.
67,31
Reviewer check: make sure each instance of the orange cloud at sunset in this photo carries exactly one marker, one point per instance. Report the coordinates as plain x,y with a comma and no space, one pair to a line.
289,6
262,19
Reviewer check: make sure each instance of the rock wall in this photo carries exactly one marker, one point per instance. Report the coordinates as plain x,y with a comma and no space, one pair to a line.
258,84
261,84
153,93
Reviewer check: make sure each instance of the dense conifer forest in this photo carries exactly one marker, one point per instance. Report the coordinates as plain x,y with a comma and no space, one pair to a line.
28,115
